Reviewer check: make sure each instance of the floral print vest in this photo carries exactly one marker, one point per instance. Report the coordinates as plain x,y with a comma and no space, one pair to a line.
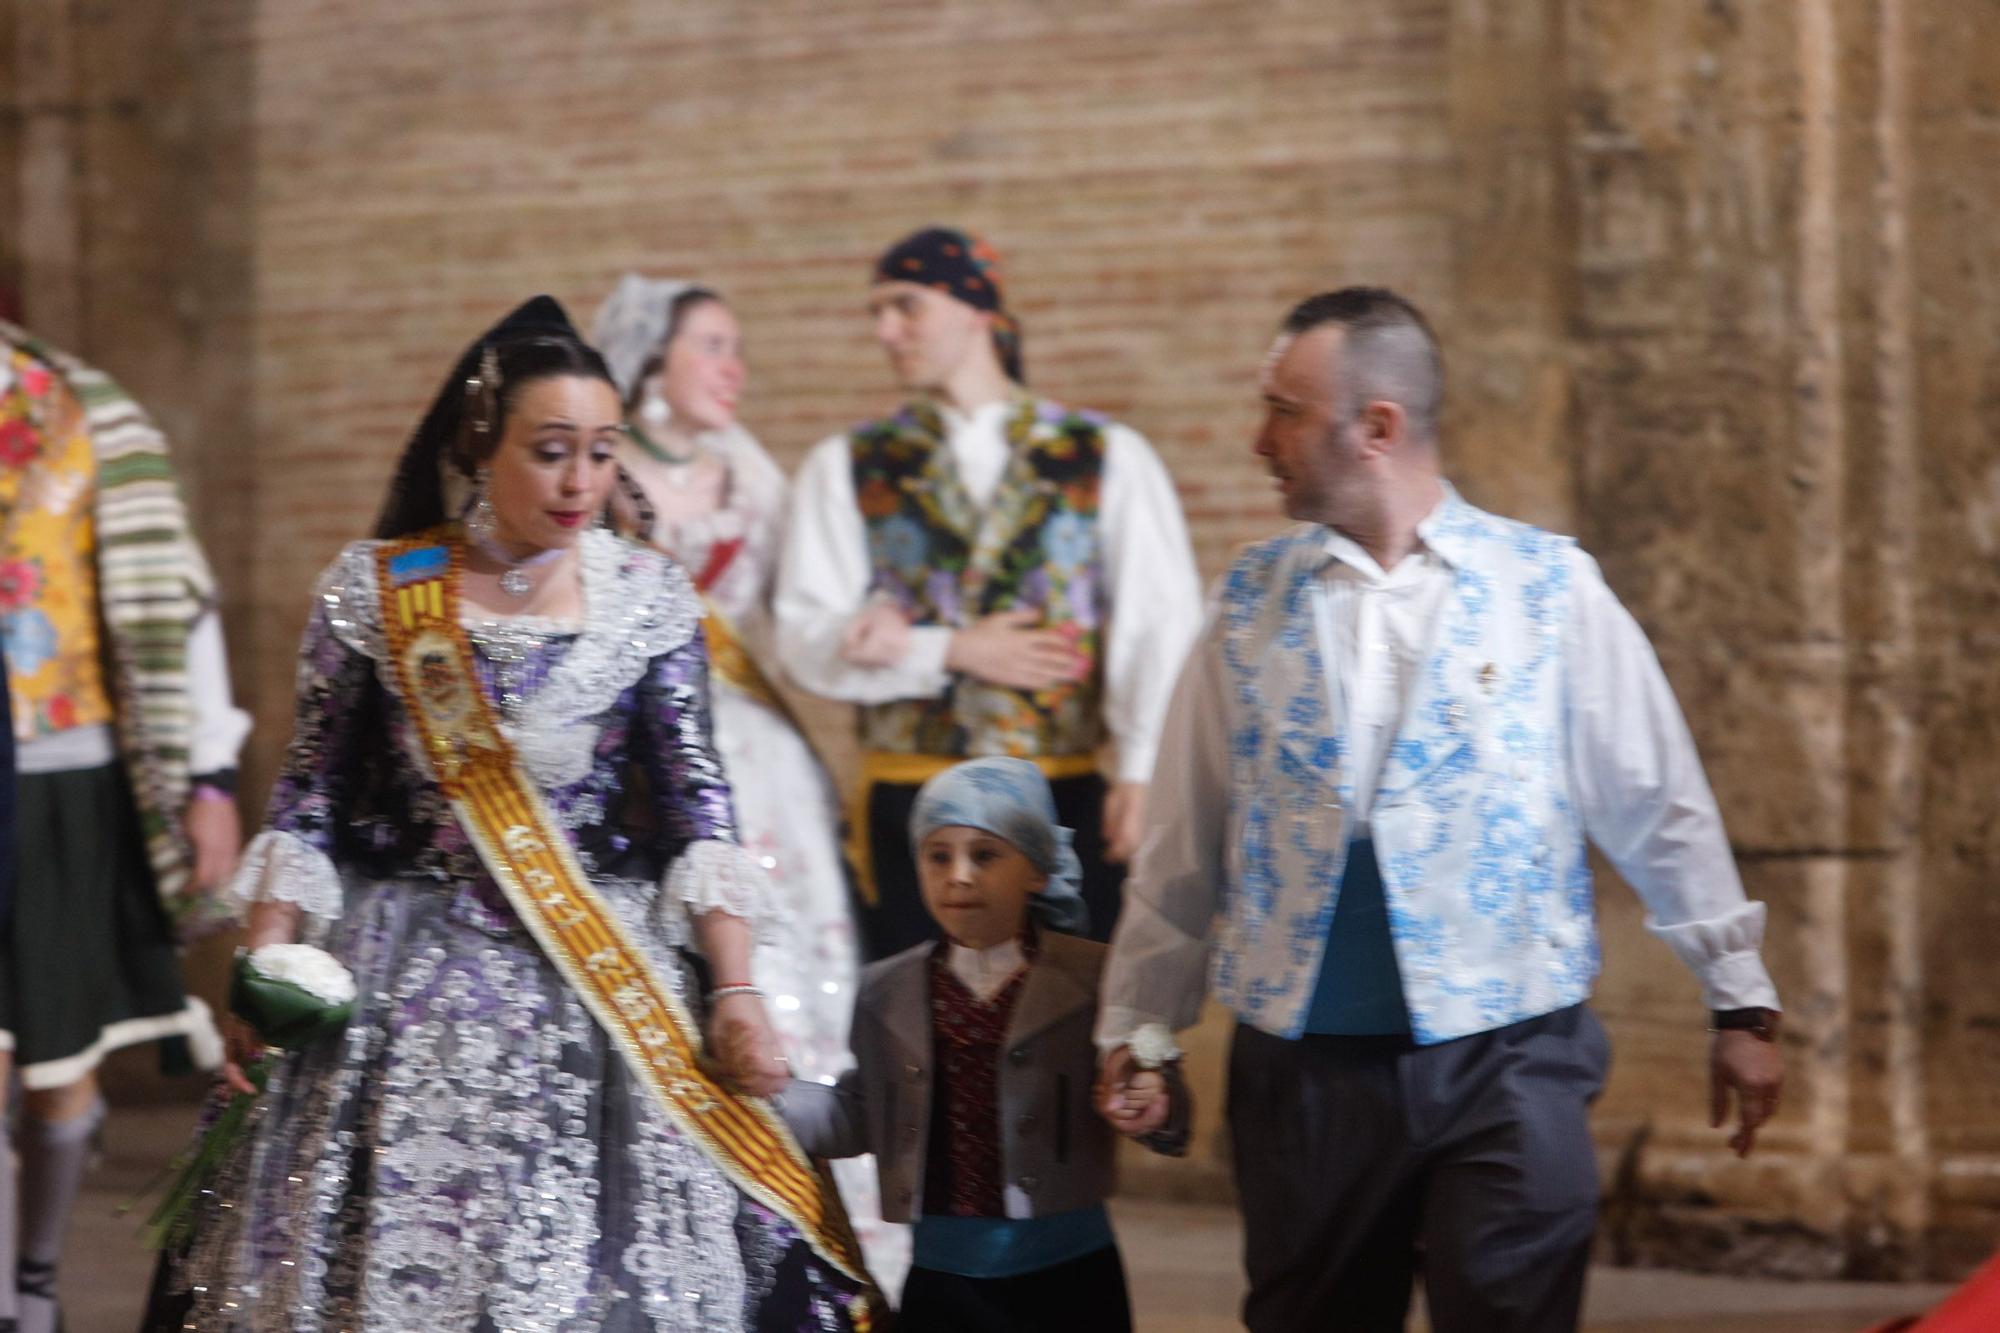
1476,824
944,562
48,568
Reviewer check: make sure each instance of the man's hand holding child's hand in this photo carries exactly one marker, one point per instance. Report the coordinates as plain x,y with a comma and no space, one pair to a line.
1136,1101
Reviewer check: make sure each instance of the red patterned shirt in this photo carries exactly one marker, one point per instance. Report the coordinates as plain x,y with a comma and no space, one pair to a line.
962,1176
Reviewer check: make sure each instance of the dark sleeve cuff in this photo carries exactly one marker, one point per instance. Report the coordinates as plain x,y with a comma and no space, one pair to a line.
1171,1139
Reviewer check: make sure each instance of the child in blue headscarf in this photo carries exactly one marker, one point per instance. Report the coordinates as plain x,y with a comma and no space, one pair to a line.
974,1068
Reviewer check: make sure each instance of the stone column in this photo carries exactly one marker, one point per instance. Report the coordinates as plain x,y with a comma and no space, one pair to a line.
1933,548
1712,471
1787,471
1506,344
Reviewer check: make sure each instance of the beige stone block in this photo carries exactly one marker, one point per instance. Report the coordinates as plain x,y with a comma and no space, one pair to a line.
1653,1010
1961,913
1692,498
1508,447
1771,723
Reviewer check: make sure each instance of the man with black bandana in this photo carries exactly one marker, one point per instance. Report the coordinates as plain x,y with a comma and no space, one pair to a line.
984,572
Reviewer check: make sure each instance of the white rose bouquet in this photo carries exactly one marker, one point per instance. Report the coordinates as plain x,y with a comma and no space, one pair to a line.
294,995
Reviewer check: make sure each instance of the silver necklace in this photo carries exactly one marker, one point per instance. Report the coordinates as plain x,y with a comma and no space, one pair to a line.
515,580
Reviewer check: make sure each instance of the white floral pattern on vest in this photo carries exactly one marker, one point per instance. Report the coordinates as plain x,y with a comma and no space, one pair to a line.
1476,827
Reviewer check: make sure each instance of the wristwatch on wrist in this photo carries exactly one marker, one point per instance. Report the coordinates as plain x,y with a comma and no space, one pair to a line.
1759,1023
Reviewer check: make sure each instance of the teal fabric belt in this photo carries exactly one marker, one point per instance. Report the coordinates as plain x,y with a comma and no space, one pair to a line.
1359,991
1009,1246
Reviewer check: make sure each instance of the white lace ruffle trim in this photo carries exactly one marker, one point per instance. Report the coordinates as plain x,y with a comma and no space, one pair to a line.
720,876
282,867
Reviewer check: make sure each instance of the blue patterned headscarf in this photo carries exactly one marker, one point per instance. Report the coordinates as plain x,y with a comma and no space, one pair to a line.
1010,799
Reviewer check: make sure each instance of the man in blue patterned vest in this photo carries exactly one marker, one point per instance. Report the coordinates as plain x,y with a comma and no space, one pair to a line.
969,570
1402,724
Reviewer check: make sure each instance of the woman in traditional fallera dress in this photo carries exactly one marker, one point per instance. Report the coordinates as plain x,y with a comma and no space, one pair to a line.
500,1139
701,488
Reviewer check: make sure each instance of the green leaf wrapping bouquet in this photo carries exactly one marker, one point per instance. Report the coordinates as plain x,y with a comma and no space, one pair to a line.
295,996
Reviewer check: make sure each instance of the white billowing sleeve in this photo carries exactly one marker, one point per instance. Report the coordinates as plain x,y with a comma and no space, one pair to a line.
1155,597
822,583
219,725
1158,968
1647,804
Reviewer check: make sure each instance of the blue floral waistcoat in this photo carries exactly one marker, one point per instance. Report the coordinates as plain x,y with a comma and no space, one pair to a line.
1475,821
947,563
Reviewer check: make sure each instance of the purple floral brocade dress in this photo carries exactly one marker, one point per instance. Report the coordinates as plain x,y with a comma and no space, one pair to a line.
472,1153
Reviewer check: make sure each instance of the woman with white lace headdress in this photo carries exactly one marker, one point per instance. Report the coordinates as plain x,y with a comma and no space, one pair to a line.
701,488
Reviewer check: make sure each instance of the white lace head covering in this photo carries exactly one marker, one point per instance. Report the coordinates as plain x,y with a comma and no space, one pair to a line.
629,330
633,324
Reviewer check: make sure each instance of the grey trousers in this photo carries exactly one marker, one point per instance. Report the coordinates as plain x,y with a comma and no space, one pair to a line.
1361,1161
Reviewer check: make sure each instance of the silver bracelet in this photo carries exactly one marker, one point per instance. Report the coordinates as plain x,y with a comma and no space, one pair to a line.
740,988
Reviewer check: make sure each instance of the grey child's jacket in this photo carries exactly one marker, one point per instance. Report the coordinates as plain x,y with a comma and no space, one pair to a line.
1056,1151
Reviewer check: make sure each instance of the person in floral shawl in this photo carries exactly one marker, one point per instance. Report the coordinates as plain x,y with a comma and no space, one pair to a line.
126,741
983,572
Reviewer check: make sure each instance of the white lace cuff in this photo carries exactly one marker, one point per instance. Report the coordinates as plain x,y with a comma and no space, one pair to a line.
720,876
284,868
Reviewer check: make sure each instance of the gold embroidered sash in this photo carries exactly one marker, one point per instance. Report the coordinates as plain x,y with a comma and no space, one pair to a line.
531,859
730,660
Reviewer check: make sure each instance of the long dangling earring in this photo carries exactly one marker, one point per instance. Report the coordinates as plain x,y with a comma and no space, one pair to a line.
482,402
480,520
654,409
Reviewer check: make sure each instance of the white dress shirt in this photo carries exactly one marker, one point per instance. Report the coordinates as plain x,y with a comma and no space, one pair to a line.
1374,628
1155,596
986,972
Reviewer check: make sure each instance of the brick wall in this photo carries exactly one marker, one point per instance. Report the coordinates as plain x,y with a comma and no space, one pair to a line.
1162,178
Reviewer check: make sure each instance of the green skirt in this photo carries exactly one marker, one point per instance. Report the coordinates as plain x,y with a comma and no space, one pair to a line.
89,962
